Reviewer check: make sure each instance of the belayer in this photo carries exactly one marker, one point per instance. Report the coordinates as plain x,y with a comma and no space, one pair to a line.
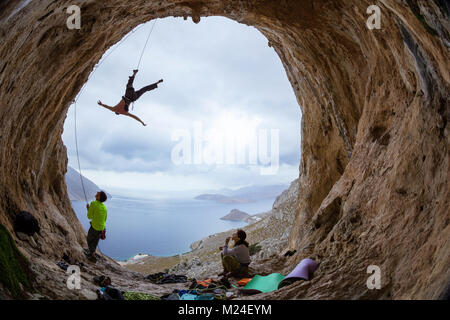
130,96
97,214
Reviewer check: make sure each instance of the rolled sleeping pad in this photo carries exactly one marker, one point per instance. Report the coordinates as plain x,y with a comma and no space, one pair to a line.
303,271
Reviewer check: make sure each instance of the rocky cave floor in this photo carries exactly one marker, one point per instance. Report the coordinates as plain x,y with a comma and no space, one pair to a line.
51,280
269,236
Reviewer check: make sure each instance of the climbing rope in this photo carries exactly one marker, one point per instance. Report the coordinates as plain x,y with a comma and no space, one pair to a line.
84,86
142,53
78,156
145,45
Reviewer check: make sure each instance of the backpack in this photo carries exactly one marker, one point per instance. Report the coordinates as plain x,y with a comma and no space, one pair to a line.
26,223
114,293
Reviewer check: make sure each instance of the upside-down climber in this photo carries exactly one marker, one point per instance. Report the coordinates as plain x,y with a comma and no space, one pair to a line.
130,96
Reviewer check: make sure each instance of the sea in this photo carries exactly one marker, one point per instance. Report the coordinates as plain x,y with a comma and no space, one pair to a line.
163,227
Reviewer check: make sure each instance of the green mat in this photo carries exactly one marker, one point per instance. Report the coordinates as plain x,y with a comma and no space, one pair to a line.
264,284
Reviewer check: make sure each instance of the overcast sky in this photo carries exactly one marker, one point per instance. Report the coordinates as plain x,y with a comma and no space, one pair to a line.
219,74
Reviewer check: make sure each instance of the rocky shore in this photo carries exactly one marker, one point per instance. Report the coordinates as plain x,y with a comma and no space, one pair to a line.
268,237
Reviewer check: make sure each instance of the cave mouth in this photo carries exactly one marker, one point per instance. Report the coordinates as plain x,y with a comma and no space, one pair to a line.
373,182
230,91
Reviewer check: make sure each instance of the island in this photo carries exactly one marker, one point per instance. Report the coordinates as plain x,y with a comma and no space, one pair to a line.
238,215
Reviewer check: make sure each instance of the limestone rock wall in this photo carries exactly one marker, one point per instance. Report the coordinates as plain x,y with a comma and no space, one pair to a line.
373,185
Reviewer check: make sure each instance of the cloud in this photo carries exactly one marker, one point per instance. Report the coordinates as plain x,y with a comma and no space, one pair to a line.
216,66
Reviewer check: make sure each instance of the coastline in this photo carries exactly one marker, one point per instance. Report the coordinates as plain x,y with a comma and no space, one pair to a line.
270,234
148,226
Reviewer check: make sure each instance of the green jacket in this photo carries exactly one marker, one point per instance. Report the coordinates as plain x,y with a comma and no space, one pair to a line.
97,214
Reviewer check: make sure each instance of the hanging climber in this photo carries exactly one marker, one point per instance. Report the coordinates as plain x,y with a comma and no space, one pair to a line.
130,96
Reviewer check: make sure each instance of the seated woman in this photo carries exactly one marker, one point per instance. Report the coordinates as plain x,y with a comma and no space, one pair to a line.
235,261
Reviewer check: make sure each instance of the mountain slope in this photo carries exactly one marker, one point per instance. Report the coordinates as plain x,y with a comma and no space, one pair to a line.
74,188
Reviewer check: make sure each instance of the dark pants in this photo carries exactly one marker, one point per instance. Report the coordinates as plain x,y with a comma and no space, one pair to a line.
131,95
93,237
230,264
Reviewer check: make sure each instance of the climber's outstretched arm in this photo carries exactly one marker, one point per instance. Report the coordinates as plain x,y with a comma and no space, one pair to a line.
105,106
134,117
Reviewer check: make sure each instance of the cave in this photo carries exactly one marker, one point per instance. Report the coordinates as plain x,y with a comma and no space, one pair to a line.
373,184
